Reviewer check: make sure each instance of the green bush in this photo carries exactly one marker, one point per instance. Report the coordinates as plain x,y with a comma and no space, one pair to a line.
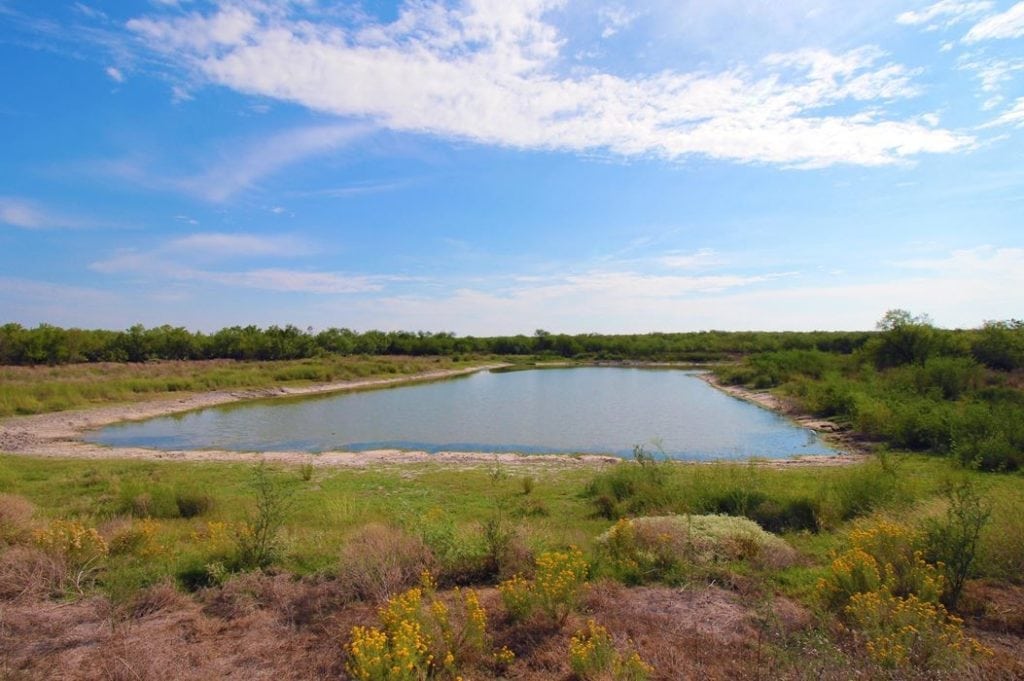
857,491
952,540
192,504
632,488
148,501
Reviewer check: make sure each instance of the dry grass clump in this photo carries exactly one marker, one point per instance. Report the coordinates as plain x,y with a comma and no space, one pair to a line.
294,602
15,518
381,561
162,597
27,572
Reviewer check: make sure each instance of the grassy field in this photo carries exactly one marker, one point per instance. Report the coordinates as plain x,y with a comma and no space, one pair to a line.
906,566
39,389
331,559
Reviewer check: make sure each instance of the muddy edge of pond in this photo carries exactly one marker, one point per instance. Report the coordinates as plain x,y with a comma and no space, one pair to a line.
58,434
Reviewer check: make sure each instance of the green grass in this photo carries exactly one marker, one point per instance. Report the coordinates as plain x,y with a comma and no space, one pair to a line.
437,501
34,390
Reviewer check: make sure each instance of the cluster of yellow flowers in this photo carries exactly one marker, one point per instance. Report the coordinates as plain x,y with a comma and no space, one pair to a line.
555,588
212,532
139,538
889,594
72,540
882,556
592,655
908,631
420,638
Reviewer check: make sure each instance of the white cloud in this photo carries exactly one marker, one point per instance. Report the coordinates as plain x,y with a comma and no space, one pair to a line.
236,168
615,18
1008,24
189,259
962,288
227,27
26,214
115,74
948,12
1012,116
703,258
993,73
207,244
487,71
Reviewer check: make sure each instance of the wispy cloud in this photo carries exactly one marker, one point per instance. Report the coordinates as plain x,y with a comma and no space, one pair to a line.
945,13
28,214
1012,116
236,168
1008,24
191,258
615,18
701,259
152,267
220,245
115,74
958,288
490,76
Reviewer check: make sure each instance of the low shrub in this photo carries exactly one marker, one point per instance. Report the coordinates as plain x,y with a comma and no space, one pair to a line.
79,548
135,538
906,631
150,501
380,561
889,596
593,656
191,504
882,556
27,572
554,591
857,491
1001,546
951,541
632,488
424,637
257,538
15,518
671,548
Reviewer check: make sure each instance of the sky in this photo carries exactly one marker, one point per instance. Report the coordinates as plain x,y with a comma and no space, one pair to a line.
492,167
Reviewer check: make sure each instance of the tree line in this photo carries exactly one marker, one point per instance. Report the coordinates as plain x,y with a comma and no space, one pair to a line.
51,345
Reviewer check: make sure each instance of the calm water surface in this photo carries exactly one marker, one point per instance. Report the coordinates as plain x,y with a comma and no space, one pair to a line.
589,410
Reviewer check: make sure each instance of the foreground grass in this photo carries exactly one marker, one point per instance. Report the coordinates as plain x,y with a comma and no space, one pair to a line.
39,389
547,508
346,532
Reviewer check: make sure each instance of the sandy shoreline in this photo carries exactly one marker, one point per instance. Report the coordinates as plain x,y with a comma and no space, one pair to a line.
58,434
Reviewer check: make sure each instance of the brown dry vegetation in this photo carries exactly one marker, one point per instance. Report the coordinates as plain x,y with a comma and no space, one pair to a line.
261,626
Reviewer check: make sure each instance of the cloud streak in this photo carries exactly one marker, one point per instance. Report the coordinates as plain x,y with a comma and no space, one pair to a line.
490,74
944,13
27,214
1008,24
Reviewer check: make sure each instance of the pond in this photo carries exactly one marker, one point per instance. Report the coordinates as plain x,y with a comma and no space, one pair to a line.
594,410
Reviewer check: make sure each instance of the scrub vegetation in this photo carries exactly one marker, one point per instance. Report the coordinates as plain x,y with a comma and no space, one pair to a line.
907,565
362,573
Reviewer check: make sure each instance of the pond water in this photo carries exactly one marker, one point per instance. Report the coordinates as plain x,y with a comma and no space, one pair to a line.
599,410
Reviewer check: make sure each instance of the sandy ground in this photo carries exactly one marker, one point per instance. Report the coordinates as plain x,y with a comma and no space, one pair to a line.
59,434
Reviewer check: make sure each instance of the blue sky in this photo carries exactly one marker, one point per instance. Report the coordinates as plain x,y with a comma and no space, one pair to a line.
497,166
